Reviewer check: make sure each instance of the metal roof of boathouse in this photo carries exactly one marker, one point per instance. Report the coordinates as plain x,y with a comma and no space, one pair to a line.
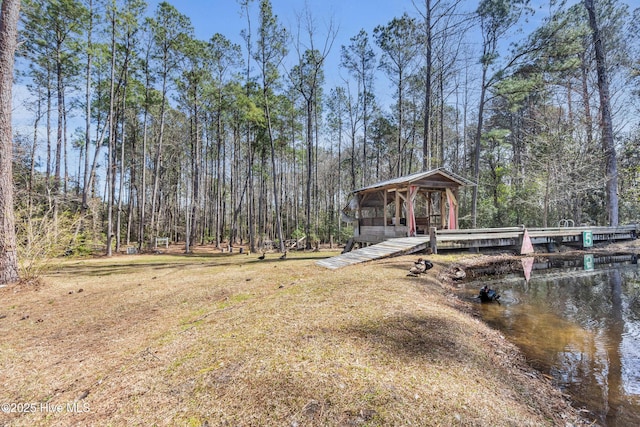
423,179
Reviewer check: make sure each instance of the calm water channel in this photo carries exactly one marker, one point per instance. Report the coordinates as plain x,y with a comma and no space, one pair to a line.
578,321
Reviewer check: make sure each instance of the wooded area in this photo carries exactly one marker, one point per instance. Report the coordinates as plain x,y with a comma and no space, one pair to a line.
209,142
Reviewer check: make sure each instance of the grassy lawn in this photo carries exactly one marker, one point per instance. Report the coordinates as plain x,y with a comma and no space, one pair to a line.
226,339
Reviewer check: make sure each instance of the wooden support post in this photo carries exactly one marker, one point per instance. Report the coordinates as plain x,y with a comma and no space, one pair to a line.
443,220
433,240
384,210
359,217
522,228
429,201
452,200
397,220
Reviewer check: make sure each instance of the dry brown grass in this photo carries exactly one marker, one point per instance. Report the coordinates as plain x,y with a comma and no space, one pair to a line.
230,340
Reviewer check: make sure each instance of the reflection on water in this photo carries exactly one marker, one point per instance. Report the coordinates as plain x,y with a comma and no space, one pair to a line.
580,325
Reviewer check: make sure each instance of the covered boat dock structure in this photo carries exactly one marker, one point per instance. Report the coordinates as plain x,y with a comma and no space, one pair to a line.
419,212
407,206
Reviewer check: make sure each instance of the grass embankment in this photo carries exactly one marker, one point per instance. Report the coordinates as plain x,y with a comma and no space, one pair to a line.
227,339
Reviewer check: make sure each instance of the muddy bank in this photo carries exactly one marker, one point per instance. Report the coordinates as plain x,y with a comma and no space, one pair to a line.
508,356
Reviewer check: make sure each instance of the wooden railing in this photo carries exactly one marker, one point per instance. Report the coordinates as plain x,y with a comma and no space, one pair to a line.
513,236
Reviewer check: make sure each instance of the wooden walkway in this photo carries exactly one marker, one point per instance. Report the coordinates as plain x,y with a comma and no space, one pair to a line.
388,248
512,237
474,239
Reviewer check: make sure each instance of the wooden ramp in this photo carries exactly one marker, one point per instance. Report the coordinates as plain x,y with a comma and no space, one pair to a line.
388,248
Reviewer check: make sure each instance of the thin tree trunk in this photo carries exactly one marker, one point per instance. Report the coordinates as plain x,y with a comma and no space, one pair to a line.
59,134
233,229
476,151
158,158
251,219
47,177
32,160
307,205
440,143
426,147
223,187
606,124
339,170
143,158
276,195
316,127
585,101
365,106
352,135
121,183
111,151
218,191
195,198
65,157
400,122
133,198
87,122
58,155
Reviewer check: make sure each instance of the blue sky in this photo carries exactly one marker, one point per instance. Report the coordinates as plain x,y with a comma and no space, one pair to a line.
349,16
224,16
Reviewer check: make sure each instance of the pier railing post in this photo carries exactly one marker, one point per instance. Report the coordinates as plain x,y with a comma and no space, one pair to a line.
432,240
